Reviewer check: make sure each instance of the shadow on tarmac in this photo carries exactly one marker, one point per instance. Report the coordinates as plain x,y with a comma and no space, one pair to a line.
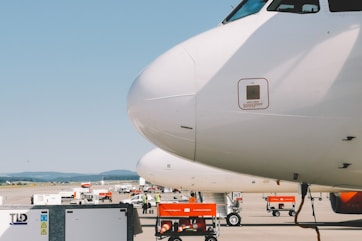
352,224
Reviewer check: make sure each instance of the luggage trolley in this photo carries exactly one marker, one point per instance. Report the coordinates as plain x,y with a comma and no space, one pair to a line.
187,219
281,200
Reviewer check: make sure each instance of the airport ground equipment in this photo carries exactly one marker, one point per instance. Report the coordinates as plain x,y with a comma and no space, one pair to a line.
103,195
284,204
111,222
46,199
187,219
228,205
233,203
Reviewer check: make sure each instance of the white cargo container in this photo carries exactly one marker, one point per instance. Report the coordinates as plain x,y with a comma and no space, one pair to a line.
68,223
21,224
110,223
46,199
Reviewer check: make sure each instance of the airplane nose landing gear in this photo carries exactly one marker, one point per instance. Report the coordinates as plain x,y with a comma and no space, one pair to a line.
233,219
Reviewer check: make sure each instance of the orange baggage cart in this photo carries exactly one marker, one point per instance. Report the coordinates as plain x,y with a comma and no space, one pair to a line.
284,204
187,219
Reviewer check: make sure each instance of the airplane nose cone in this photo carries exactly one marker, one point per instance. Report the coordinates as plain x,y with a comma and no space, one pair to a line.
161,102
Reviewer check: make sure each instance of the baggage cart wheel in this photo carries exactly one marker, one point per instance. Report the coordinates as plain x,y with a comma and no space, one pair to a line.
210,238
292,213
233,219
174,239
276,213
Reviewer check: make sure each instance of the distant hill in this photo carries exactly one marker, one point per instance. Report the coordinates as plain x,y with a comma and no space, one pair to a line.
68,177
118,172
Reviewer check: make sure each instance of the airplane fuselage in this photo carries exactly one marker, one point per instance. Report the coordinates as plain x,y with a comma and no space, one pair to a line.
274,94
162,168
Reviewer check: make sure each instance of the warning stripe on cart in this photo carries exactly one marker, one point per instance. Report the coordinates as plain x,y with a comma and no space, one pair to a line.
281,199
186,209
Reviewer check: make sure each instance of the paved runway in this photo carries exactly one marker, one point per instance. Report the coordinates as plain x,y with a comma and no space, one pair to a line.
260,225
257,223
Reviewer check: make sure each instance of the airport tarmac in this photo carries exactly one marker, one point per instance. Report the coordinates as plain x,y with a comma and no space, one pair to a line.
257,223
260,225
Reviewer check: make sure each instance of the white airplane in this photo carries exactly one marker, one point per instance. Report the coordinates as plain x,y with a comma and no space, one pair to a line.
162,168
273,91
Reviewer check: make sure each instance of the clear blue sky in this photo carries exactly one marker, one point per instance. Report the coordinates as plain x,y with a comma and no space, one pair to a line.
65,70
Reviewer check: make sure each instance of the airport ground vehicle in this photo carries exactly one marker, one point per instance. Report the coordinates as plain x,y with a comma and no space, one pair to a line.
124,188
136,200
187,219
102,194
281,201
